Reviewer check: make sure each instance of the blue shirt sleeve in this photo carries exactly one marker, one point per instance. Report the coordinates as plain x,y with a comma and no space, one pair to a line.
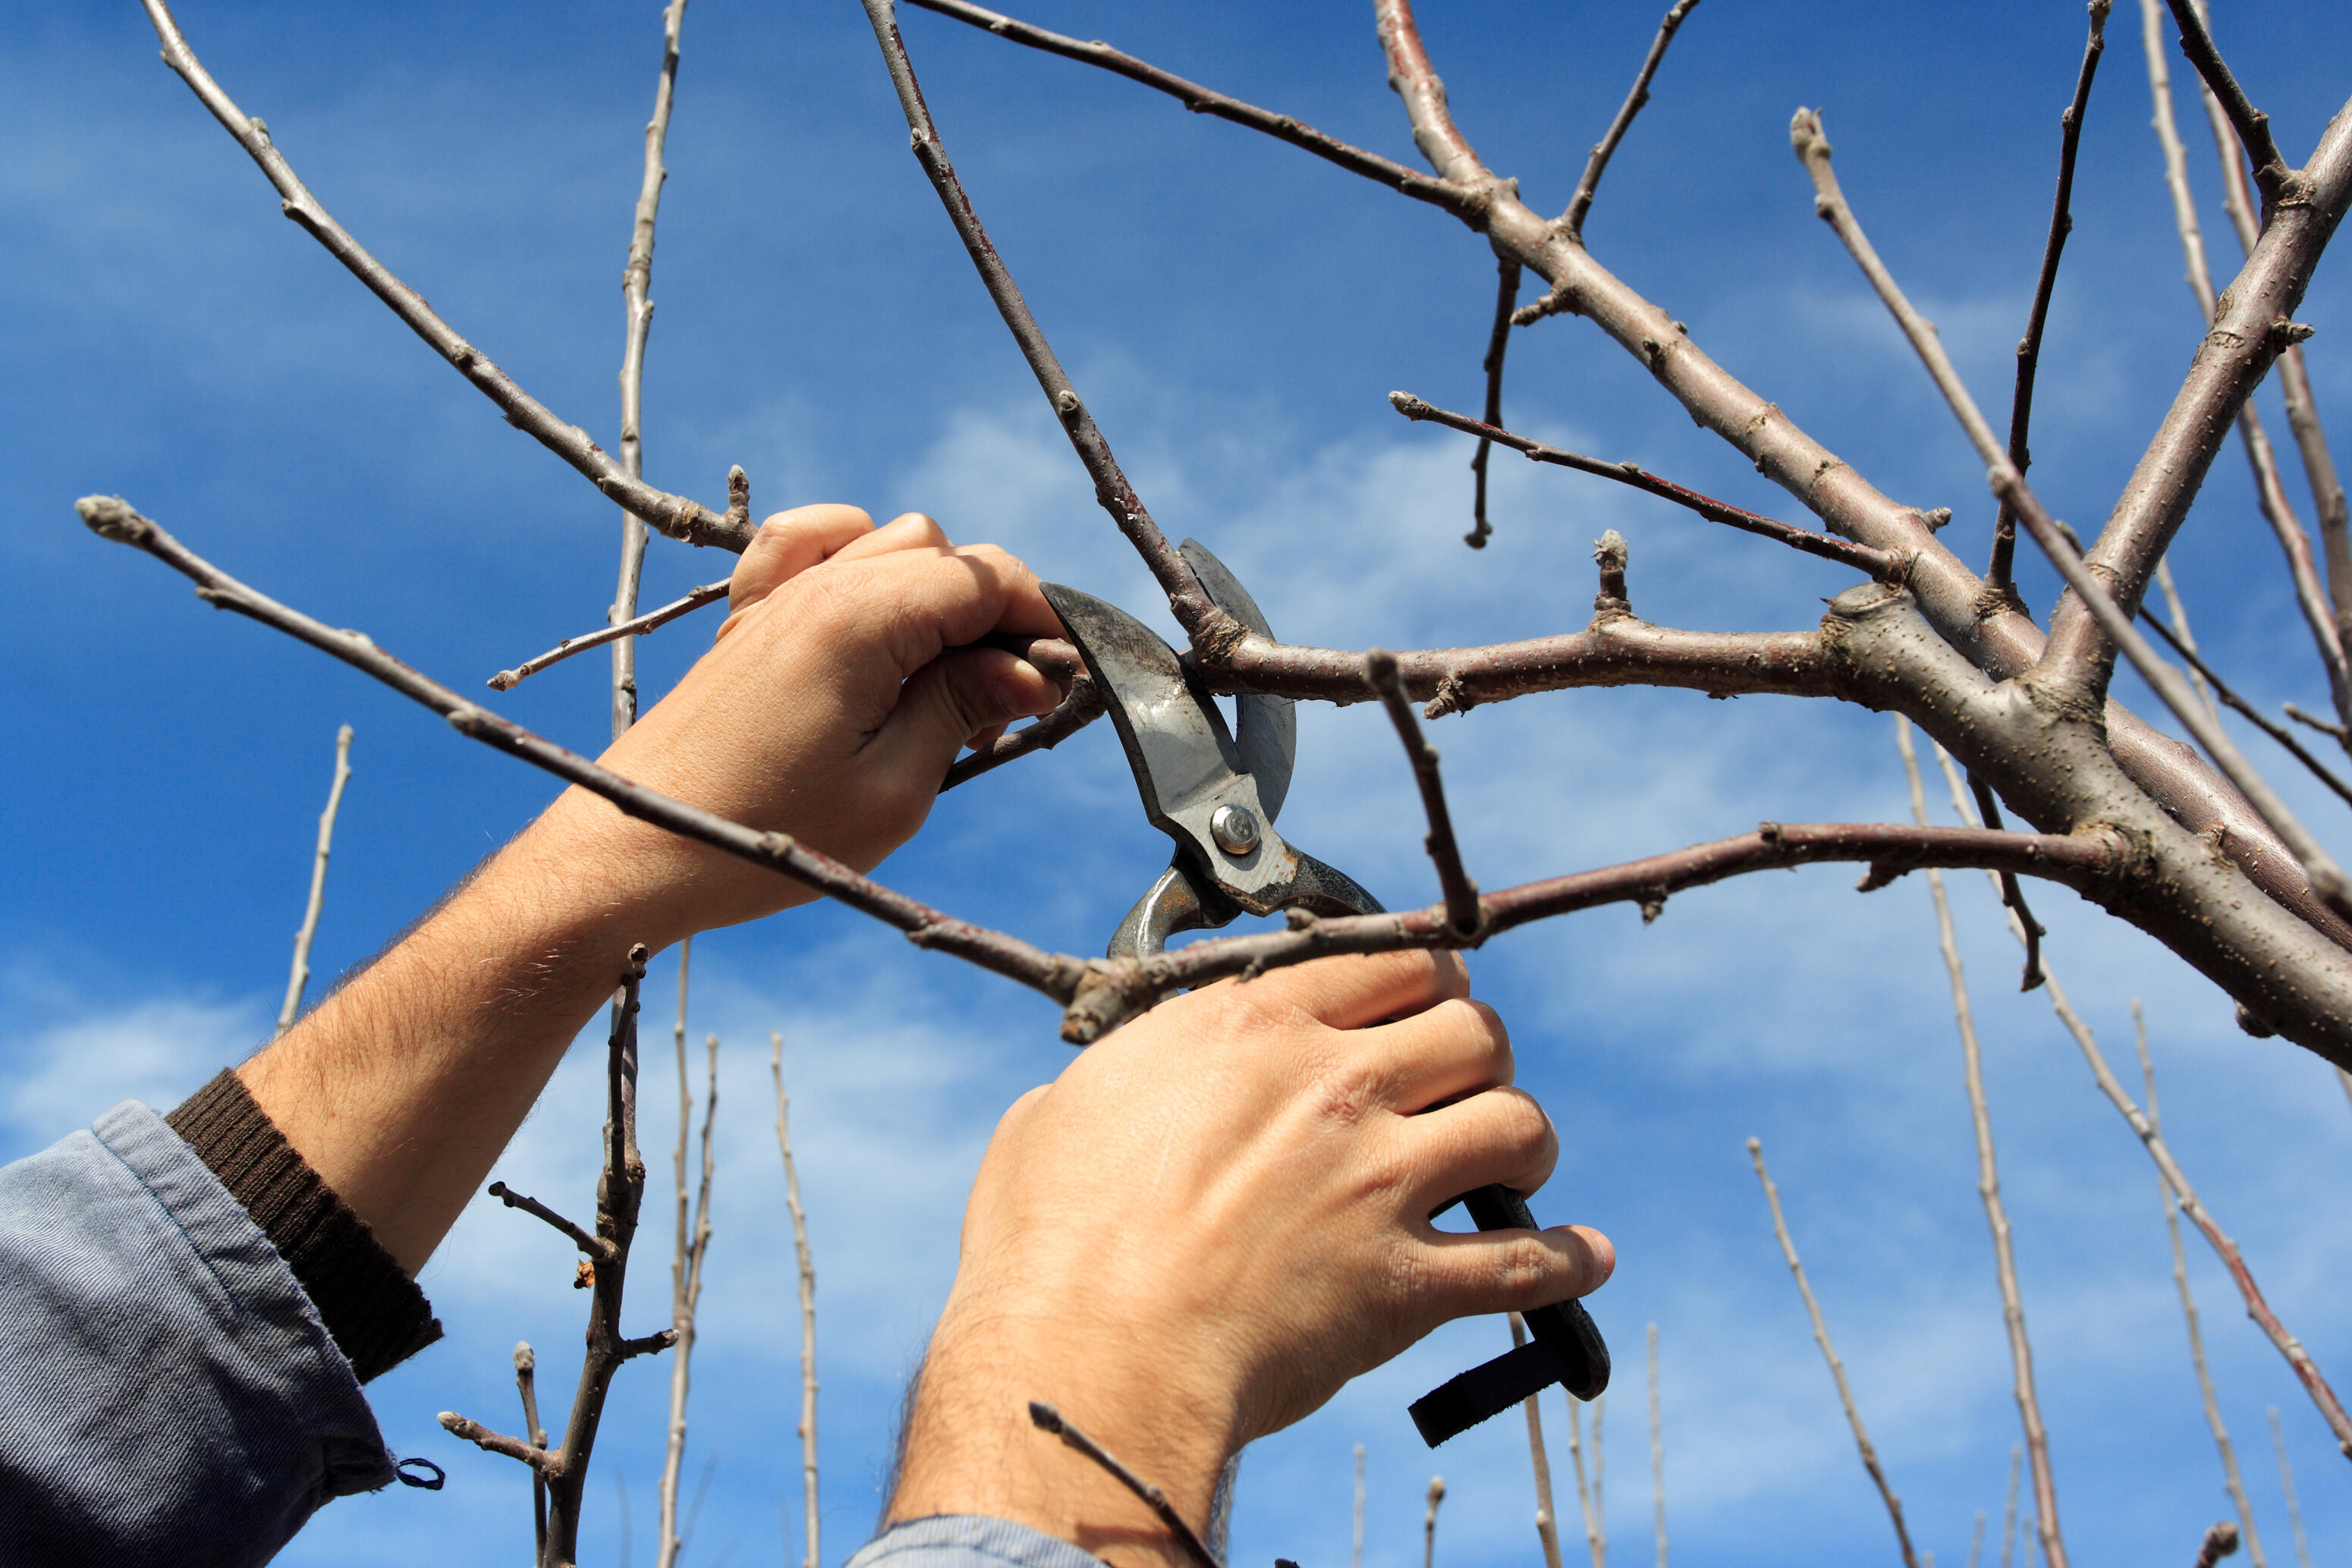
168,1394
969,1541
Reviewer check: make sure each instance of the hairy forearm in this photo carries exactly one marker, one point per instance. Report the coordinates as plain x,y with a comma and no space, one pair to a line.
402,1088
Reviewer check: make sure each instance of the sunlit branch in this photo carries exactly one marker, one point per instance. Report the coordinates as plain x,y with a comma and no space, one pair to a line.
300,976
1499,340
651,620
1580,205
2260,720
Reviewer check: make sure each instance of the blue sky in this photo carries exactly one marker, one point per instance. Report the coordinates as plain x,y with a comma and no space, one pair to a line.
1234,311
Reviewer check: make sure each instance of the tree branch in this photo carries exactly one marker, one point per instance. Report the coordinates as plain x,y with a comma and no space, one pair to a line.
1572,220
1498,340
542,1463
1046,1418
2278,181
1876,563
808,1297
1829,1353
2287,1482
1413,80
676,516
526,1365
597,1248
651,620
300,976
2254,715
1999,576
2020,1348
1461,894
1077,710
686,1292
1539,1460
1207,626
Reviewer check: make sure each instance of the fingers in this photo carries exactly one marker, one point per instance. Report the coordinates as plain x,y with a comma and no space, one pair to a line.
1514,1271
1499,1137
787,544
952,700
1355,990
908,530
1447,1052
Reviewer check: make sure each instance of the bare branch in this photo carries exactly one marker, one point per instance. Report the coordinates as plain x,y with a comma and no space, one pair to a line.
1572,220
1830,1354
1583,1487
637,280
1999,575
676,516
1498,340
542,1463
1079,709
1208,626
1428,1522
808,1297
2021,1349
2187,639
1546,1518
1413,80
1461,894
2272,171
1657,1451
1356,1536
2008,1520
2012,896
651,620
2254,715
1202,100
1046,1418
686,1291
2286,1481
2077,663
596,1247
1876,563
2220,1541
526,1365
2236,1485
300,976
2325,727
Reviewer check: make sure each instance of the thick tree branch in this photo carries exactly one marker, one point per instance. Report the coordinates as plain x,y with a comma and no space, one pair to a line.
1498,340
1209,627
300,976
2279,182
637,281
1413,79
651,620
1876,563
676,516
1999,576
1579,205
1461,894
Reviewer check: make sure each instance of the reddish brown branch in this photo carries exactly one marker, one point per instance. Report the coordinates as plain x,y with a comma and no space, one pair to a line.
595,1246
1999,575
1079,709
1498,340
1046,1418
1207,625
1415,81
2254,715
1461,894
1878,563
674,515
1572,220
1202,100
2272,171
542,1463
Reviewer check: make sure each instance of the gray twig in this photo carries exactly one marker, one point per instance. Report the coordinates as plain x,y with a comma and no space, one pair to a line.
1046,1418
687,1289
2252,715
2287,1483
651,620
1572,220
808,1296
300,977
1547,1516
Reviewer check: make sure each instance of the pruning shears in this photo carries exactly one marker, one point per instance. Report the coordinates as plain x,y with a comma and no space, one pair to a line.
1216,792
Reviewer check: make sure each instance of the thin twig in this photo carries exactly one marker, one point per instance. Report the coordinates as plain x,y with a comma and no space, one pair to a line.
2271,170
2021,1349
1599,1524
1583,1486
674,515
2231,1479
1428,1522
1046,1418
1657,1452
1499,340
300,977
2287,1482
651,620
1461,894
542,1463
2270,487
2221,1541
596,1247
1539,1458
1572,220
637,280
1356,1532
685,1304
2012,896
2328,878
1830,1354
1876,563
526,1383
808,1295
2168,1170
2187,639
1079,709
2215,684
2009,1518
1976,1541
1200,617
1999,575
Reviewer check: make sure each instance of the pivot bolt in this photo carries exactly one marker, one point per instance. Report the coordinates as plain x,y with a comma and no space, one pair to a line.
1234,830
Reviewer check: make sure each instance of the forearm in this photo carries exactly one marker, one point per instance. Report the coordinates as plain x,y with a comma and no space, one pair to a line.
402,1088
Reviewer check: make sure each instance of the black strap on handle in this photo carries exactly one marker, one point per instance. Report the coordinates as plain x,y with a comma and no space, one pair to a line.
1567,1347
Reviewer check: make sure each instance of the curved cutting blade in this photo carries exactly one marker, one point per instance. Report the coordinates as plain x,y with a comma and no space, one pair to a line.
1268,731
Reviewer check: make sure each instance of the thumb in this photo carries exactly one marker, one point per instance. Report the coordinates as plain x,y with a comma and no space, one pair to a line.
955,697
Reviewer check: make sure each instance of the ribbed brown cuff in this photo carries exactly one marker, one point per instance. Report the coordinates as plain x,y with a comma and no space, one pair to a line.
374,1311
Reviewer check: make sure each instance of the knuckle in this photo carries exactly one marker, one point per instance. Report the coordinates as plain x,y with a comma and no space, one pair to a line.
1526,1272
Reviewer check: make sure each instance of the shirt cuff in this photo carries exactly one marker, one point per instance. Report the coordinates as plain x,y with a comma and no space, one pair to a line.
969,1541
375,1311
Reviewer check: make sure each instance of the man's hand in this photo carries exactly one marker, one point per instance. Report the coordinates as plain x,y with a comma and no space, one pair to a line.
1213,1218
840,689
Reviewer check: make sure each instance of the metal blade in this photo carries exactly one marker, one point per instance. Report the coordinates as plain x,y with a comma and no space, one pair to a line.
1267,731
